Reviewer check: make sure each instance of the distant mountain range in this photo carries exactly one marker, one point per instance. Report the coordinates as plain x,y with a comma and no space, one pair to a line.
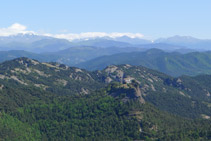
187,41
174,56
173,63
22,38
95,58
70,56
33,43
41,44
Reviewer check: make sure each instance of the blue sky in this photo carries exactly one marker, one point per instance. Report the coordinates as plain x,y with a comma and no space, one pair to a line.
152,18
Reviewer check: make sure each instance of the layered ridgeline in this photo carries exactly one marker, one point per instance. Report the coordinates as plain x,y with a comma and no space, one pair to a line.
174,64
70,56
40,44
50,101
93,58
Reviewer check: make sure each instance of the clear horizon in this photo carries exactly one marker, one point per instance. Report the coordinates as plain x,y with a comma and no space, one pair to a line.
76,19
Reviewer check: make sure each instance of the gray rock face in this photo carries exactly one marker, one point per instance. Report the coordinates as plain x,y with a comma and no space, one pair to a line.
108,80
139,95
111,69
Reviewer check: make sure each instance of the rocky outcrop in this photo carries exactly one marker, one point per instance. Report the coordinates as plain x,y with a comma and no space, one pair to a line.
128,80
18,80
111,69
138,93
108,80
1,87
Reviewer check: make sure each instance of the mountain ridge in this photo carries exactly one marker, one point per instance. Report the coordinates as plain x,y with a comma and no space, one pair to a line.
71,80
173,63
46,101
40,43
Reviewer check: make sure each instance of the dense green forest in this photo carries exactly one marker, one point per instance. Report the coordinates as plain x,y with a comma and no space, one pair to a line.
49,101
97,116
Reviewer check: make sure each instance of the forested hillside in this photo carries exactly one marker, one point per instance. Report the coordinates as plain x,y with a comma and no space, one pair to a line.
50,101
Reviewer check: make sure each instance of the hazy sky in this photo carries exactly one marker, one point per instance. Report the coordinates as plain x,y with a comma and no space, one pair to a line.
152,18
